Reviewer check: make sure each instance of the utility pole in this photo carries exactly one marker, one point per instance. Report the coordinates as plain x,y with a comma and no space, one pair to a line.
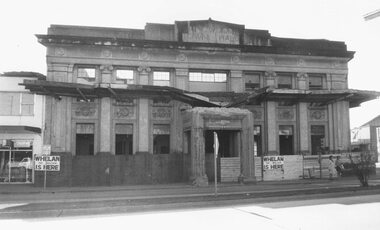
372,15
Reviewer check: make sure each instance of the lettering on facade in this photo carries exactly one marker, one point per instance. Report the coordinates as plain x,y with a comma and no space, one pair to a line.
285,114
273,163
84,111
211,33
161,112
317,115
124,111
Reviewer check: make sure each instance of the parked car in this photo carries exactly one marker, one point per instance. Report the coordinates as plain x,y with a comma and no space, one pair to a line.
26,163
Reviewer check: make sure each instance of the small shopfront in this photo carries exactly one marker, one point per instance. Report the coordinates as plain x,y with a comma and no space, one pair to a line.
16,161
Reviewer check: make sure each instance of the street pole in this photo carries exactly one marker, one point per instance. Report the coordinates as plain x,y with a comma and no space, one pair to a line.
216,148
10,164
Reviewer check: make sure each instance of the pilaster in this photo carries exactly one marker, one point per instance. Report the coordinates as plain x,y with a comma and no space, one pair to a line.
182,79
143,113
236,81
270,78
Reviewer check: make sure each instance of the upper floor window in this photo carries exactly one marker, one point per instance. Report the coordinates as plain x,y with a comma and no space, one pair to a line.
125,74
284,80
16,104
161,78
315,81
252,81
207,77
87,72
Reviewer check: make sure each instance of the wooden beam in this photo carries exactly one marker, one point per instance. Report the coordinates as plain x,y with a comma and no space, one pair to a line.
81,93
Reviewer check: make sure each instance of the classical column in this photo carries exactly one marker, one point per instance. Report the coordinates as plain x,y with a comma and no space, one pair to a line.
198,158
105,113
271,128
247,158
302,116
143,113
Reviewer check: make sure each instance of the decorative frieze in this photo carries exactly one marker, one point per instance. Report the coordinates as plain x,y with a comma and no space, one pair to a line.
317,114
161,112
181,58
106,53
59,51
235,59
84,111
285,114
124,112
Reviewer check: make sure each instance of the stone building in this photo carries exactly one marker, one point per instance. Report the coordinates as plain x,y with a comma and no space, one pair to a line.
129,106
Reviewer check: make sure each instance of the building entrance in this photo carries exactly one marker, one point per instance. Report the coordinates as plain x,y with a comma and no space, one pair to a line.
286,140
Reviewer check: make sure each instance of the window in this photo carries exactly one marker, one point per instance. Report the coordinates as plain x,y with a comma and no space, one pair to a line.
123,139
207,77
16,104
85,139
161,78
88,73
315,81
27,104
252,81
284,80
257,143
161,139
125,74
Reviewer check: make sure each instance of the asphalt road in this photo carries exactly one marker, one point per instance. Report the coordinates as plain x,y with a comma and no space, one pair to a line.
40,208
306,213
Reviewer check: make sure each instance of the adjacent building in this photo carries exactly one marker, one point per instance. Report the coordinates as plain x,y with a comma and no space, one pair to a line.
21,124
134,106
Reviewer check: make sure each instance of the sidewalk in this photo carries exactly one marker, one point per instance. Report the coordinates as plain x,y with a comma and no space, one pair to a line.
18,192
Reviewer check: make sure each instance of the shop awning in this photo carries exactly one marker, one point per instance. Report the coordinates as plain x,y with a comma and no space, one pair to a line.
19,129
117,91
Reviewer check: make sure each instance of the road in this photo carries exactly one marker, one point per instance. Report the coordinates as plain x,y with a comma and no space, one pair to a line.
353,212
327,211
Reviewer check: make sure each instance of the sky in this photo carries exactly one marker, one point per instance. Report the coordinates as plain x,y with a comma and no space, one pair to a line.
338,20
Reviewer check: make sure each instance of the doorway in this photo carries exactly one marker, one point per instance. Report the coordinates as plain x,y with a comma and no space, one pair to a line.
317,137
286,140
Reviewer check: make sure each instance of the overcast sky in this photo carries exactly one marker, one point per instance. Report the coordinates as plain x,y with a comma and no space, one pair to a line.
340,20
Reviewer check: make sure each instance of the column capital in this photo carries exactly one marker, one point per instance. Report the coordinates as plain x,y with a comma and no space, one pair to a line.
270,74
302,76
144,69
106,68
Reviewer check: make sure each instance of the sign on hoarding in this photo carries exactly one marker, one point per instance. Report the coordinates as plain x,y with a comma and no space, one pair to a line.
273,162
50,163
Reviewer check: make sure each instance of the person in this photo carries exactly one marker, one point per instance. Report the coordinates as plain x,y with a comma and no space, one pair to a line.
339,166
331,167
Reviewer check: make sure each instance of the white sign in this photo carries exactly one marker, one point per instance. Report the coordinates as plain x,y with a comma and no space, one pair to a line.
273,162
46,150
51,163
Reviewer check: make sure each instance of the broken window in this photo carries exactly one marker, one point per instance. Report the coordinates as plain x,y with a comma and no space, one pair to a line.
207,77
252,81
124,139
88,73
161,139
125,74
85,139
161,78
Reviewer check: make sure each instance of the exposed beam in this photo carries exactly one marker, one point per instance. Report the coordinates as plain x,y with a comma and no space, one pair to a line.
50,93
372,15
82,95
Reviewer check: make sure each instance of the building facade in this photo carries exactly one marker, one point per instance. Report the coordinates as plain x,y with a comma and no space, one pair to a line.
127,106
21,122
